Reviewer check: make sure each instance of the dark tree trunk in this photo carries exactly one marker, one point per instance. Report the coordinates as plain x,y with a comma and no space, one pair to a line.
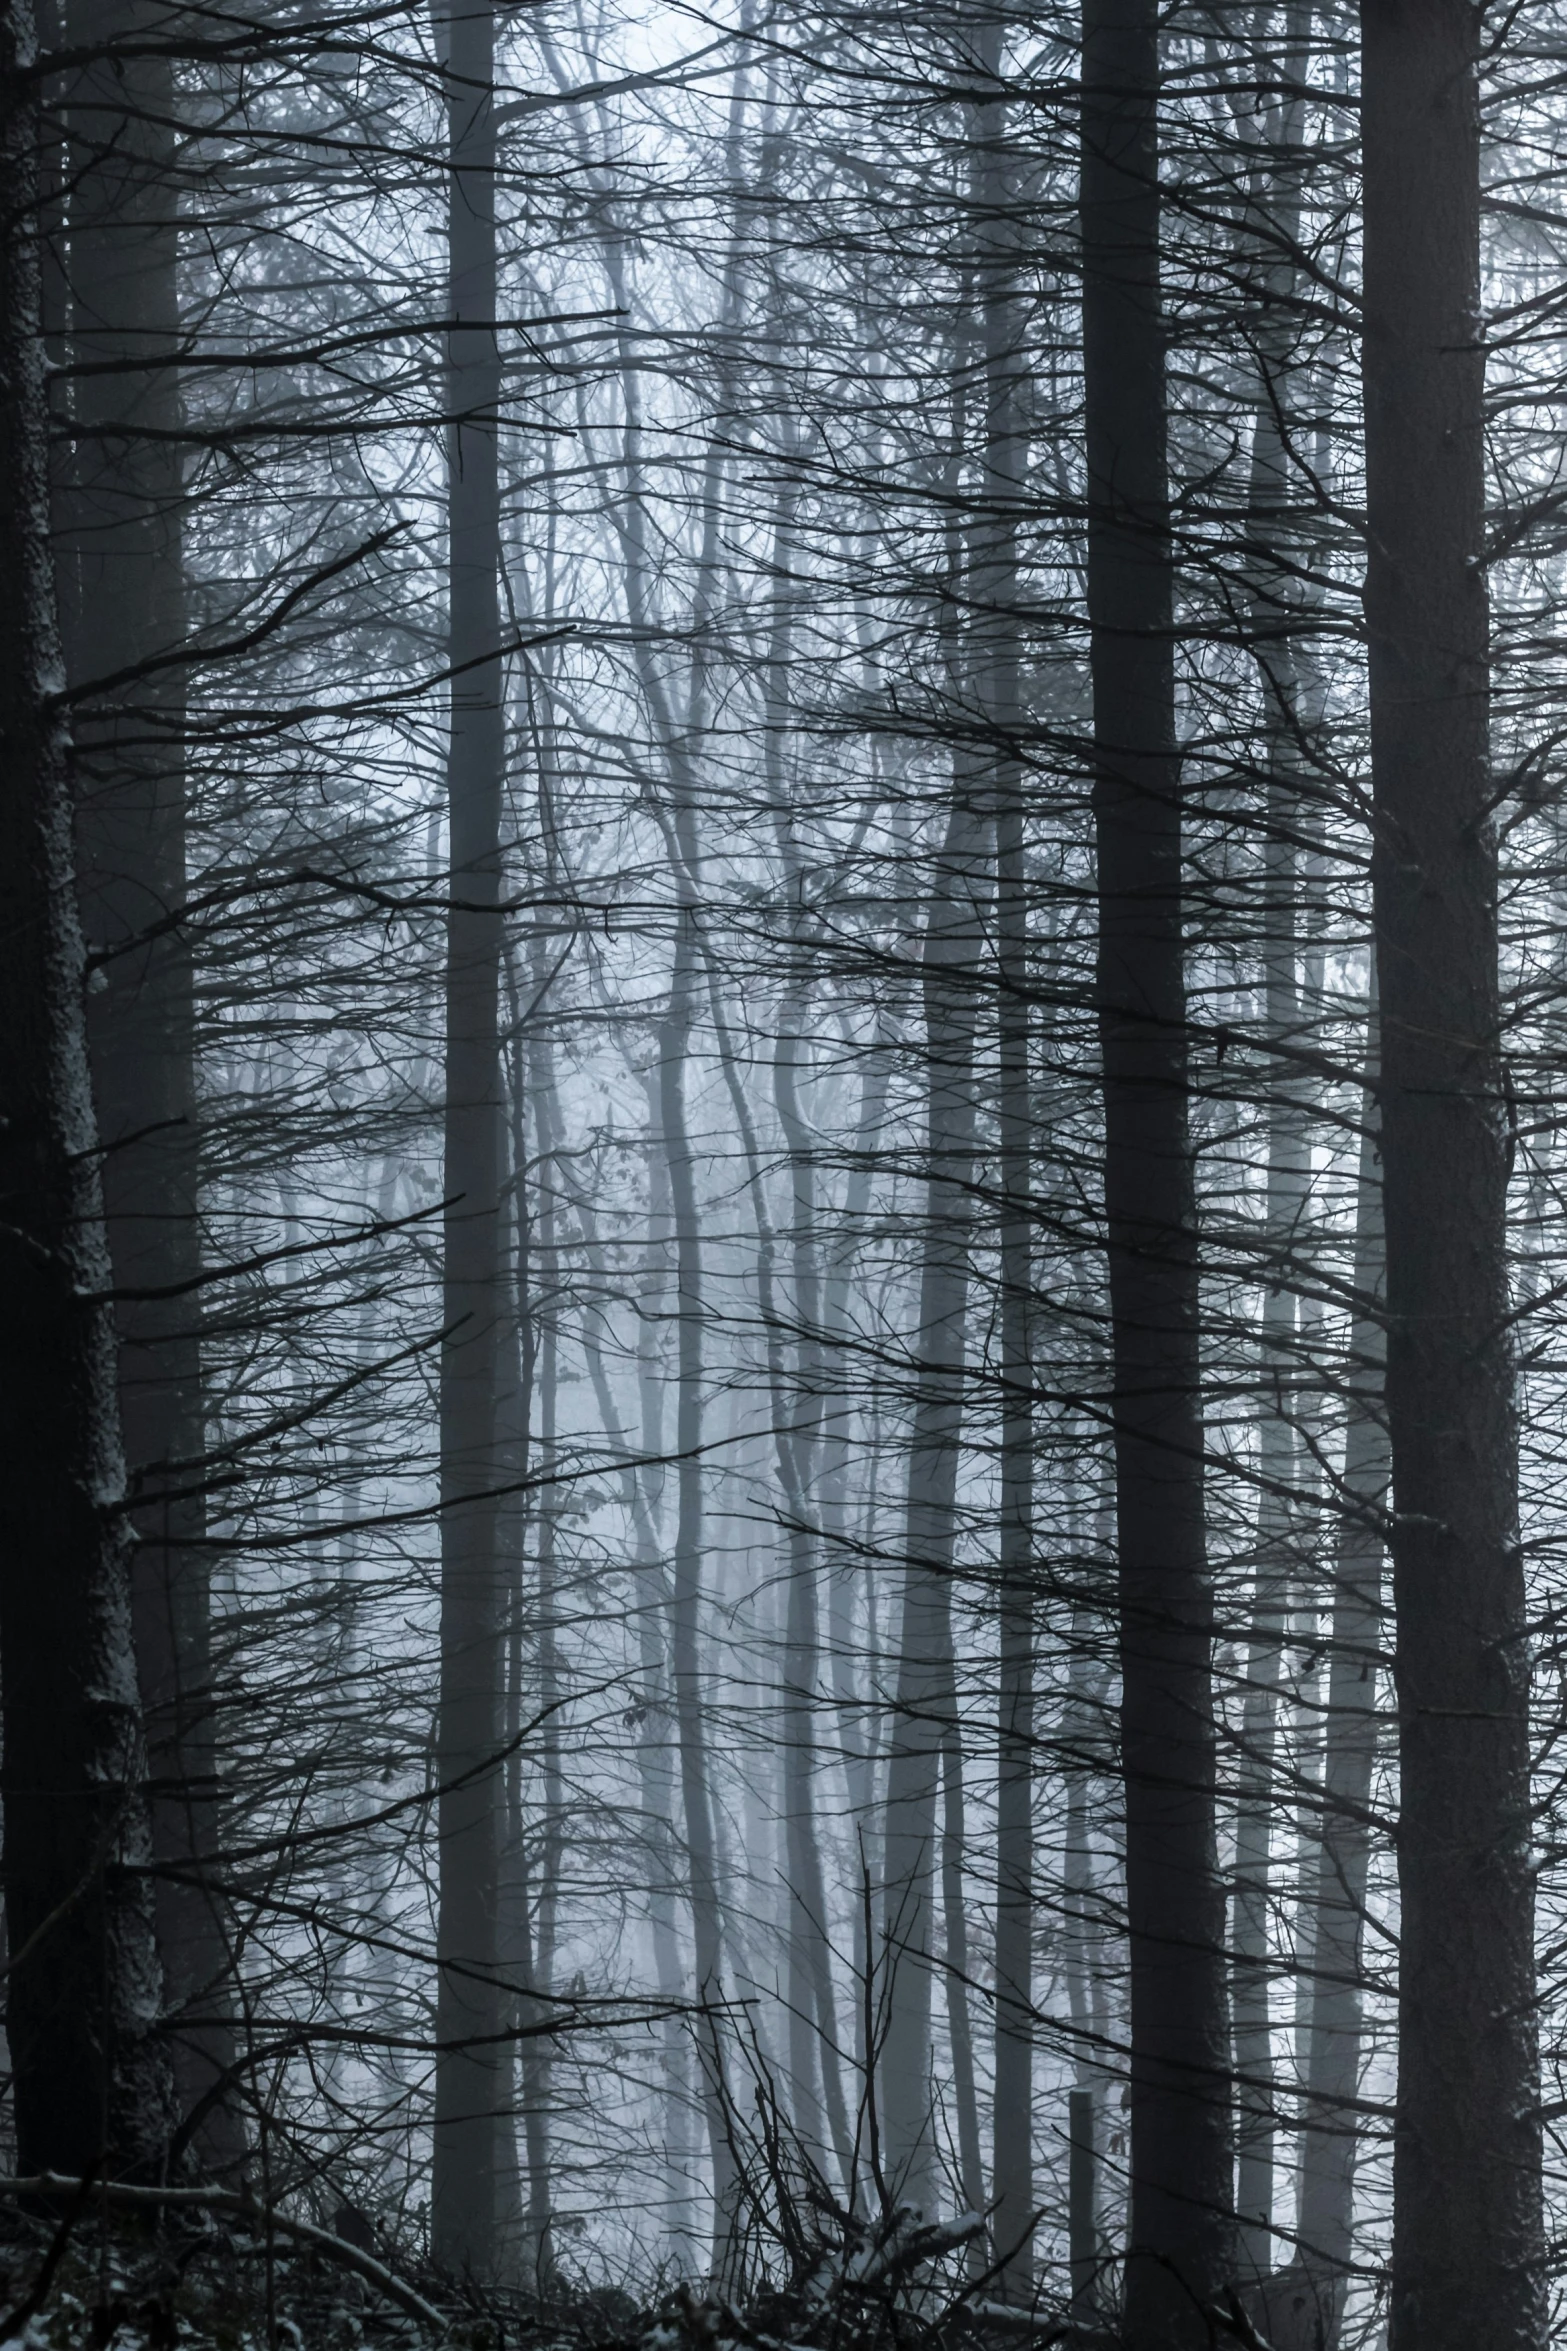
923,1704
1179,2250
996,654
123,605
1468,2255
83,1994
1337,1885
685,1608
469,2078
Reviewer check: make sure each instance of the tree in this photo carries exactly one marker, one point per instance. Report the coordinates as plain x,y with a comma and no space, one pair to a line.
468,2012
1178,2254
83,1994
1468,2249
125,622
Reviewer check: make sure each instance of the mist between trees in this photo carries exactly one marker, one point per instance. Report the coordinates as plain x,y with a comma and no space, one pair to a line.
783,969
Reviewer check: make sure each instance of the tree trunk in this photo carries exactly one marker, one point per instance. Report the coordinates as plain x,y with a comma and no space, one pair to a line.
1468,2252
813,2023
90,2075
996,667
685,1610
537,2067
1274,603
954,1844
924,1682
123,605
1083,1738
1179,2251
1288,1165
856,1738
811,1996
1337,1885
469,2076
815,2082
654,1777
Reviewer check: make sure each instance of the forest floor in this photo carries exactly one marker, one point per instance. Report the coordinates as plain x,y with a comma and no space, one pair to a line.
100,2280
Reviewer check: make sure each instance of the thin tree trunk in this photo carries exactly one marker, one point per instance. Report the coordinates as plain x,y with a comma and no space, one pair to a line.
813,2024
846,1570
1277,1463
1276,204
810,1952
1468,2249
815,2080
996,665
469,2075
536,2065
1337,1882
954,1844
517,1379
924,1680
1179,2253
1082,1736
513,1938
685,1610
653,1704
90,2077
656,1760
678,822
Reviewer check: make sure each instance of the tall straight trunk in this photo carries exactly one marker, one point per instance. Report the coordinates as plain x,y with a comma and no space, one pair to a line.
1081,1738
1276,1460
516,1383
965,2099
537,2068
1468,2252
1337,1880
469,2076
812,2007
652,1749
1179,2252
1276,203
513,1925
119,538
679,824
656,1755
685,1608
856,1738
815,2081
90,2080
923,1699
994,575
544,1906
813,2023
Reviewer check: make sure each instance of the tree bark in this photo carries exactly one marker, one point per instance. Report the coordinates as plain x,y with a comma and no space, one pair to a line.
813,2023
1468,2252
965,2100
469,2075
685,1608
1337,1883
1180,2238
1273,601
121,558
91,2081
996,660
816,2086
924,1680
